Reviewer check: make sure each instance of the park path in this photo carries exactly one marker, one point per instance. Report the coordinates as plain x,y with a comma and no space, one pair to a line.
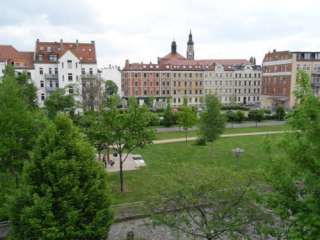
174,140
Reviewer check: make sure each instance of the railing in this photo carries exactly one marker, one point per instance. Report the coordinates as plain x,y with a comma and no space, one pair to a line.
51,76
89,76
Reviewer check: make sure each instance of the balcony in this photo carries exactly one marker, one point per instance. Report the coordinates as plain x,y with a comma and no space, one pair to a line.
89,76
52,77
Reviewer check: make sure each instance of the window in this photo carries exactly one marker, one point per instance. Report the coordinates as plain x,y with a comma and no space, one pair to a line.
57,84
83,71
69,64
62,78
70,78
42,96
42,84
40,58
52,58
56,71
62,65
50,71
41,71
71,90
76,65
51,85
90,71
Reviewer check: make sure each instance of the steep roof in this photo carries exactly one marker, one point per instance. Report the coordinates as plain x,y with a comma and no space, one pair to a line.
21,60
86,52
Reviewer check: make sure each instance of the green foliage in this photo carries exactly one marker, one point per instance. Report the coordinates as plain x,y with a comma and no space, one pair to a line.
212,122
29,90
58,101
208,204
256,115
186,118
295,178
240,117
280,113
169,117
64,194
111,88
154,119
112,101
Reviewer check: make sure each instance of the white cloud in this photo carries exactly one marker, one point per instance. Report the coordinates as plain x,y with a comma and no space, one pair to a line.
142,30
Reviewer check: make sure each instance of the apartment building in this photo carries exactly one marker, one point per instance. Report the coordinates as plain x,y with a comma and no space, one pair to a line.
52,65
175,78
279,76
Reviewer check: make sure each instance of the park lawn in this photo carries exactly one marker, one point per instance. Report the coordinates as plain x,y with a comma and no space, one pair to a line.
163,161
181,134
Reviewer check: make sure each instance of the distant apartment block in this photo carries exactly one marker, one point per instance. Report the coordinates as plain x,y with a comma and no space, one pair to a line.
52,65
175,78
113,73
279,76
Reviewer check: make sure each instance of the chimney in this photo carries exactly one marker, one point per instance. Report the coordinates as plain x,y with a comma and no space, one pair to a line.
127,62
38,40
77,43
61,44
274,50
93,42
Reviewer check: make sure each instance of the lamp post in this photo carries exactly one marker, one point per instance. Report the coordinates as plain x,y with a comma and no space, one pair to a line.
237,152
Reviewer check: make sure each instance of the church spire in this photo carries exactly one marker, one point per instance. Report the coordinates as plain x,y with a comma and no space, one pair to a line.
173,47
190,48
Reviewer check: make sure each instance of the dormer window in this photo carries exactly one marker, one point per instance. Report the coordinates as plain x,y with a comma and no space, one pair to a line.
69,64
52,58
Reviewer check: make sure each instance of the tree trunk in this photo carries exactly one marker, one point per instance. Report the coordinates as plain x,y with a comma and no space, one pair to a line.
121,173
186,131
108,154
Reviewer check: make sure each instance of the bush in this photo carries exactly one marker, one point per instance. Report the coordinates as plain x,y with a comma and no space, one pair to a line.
240,116
231,116
201,141
155,119
235,107
280,113
169,117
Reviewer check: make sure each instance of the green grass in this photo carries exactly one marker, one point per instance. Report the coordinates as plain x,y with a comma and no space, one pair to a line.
163,160
181,134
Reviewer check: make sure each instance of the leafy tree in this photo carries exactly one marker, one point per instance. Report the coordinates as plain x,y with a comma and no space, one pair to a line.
64,193
280,113
58,101
186,118
256,115
295,176
111,88
130,131
169,117
209,204
29,90
212,122
18,125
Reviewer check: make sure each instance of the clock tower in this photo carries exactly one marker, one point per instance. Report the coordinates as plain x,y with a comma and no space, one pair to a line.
190,49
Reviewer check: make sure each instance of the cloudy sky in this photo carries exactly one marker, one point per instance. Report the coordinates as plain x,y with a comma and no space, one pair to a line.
142,30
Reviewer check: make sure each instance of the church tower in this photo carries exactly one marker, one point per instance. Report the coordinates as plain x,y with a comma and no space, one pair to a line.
190,49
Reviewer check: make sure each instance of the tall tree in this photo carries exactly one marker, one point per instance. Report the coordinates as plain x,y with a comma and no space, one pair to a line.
29,90
58,101
212,122
295,176
130,131
256,115
186,118
64,193
169,117
18,125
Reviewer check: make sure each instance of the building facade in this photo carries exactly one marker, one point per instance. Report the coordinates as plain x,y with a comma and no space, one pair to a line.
53,65
113,73
175,78
279,76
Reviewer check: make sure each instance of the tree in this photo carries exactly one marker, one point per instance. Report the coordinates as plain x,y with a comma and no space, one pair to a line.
130,131
169,117
294,176
280,113
64,193
186,118
256,115
29,90
58,101
19,126
212,122
209,204
111,88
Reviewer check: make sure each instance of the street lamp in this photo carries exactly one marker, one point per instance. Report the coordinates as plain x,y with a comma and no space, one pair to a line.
237,152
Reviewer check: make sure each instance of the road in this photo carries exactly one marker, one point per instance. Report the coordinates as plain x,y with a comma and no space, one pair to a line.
229,125
174,140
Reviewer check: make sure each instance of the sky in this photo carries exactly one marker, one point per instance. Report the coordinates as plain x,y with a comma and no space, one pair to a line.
142,30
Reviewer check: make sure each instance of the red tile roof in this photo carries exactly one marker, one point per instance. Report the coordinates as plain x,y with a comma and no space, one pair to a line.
175,61
21,60
86,52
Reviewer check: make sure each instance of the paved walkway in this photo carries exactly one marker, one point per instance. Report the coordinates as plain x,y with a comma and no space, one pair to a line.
229,125
174,140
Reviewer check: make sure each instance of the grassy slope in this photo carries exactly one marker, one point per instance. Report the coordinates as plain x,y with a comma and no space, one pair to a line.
165,159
